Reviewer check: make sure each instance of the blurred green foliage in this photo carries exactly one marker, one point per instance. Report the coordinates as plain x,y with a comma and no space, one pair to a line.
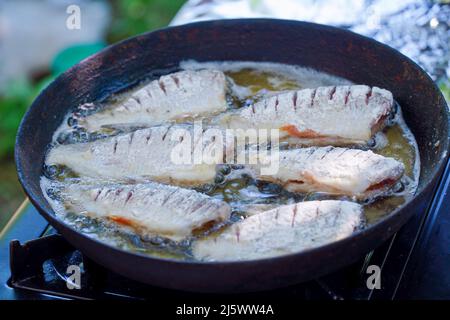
131,17
12,107
445,87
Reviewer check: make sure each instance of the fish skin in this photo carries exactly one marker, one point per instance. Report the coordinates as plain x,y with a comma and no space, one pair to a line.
142,155
174,96
335,115
148,209
334,170
284,230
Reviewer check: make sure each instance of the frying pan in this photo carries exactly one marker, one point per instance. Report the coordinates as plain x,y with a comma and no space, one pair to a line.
328,49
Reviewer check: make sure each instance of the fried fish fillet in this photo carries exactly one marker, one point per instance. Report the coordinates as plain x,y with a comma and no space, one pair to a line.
174,96
168,153
148,209
334,170
335,115
286,229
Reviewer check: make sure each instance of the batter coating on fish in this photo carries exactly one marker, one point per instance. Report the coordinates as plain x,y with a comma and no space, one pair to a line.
334,170
334,115
174,96
286,229
163,153
148,209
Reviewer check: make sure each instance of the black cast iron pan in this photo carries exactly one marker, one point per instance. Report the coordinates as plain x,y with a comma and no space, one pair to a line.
324,48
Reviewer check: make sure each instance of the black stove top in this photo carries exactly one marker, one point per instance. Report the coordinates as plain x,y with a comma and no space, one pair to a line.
413,264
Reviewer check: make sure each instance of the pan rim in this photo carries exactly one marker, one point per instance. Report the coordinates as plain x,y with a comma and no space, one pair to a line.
51,216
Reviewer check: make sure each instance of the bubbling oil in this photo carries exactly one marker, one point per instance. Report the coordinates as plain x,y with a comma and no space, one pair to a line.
249,82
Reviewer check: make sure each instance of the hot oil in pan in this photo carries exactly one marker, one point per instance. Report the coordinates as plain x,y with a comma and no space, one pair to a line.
251,82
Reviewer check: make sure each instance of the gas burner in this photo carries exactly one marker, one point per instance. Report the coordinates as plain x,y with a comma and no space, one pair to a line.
45,266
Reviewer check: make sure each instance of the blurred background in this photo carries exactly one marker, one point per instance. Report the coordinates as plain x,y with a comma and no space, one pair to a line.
39,39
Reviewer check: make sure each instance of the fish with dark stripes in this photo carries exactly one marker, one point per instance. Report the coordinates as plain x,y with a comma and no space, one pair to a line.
168,153
149,209
284,230
335,115
334,170
171,97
